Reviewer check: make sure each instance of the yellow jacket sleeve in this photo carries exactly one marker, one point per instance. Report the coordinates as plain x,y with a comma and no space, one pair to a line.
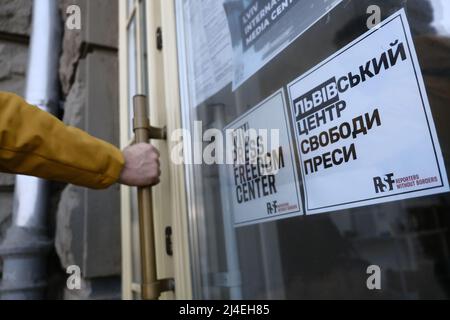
35,143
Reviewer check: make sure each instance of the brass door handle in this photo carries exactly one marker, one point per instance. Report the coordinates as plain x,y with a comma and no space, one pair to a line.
151,287
141,123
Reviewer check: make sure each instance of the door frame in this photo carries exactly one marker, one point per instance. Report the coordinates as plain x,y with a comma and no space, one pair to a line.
170,203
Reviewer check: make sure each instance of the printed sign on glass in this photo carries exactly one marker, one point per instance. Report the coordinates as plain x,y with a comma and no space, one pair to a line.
261,184
261,29
363,125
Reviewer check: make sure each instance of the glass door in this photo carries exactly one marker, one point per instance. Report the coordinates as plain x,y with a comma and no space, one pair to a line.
354,202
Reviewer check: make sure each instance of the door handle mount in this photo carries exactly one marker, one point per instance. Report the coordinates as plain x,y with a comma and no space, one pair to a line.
141,122
151,286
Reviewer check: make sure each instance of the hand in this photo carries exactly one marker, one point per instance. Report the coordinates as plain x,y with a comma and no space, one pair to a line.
141,167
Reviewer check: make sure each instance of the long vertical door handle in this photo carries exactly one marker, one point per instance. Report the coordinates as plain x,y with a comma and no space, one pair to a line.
151,287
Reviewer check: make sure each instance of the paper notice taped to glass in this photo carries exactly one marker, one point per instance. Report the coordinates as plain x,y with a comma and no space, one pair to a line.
208,47
363,124
262,183
261,29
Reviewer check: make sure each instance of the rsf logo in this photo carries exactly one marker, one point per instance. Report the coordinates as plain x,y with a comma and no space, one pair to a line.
384,184
272,207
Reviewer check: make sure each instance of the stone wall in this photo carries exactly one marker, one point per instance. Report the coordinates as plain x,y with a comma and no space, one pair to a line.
88,221
15,21
86,225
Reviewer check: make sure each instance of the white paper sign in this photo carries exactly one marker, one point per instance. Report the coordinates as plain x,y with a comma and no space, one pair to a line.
254,193
209,49
363,125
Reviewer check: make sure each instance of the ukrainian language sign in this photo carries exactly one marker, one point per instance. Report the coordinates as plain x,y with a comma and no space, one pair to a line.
363,125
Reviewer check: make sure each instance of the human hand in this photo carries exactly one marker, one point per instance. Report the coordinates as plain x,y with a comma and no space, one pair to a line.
142,167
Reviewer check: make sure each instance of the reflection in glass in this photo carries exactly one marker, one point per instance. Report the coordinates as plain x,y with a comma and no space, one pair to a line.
327,255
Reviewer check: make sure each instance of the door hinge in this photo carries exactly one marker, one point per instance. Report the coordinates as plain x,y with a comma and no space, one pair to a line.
169,246
159,39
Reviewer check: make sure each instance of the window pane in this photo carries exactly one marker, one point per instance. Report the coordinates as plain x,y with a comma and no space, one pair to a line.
324,255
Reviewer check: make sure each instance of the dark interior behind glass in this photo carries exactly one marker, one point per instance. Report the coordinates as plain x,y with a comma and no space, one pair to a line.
326,255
